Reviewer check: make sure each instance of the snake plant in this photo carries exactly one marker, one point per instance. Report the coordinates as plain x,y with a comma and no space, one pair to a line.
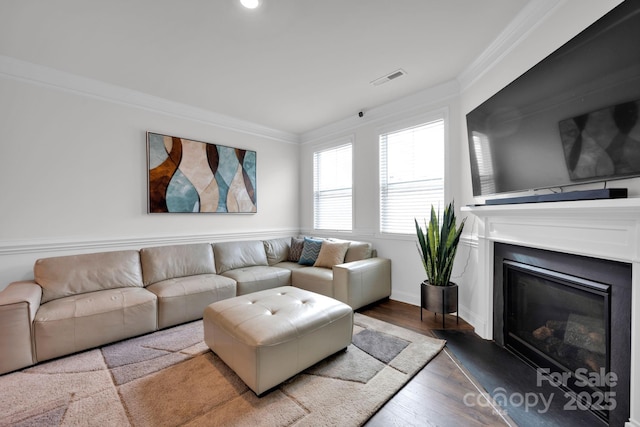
437,245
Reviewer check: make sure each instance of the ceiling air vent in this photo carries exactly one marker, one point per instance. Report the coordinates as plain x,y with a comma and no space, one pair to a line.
389,77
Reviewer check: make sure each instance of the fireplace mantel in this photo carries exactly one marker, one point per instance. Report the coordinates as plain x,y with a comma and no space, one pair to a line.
608,229
602,228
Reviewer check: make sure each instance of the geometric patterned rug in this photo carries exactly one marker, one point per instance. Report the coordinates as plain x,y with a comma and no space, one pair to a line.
171,378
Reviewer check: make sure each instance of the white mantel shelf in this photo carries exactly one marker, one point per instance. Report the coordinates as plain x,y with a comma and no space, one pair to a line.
608,229
583,207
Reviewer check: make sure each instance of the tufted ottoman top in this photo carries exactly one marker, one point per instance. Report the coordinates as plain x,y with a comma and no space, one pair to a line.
277,315
268,336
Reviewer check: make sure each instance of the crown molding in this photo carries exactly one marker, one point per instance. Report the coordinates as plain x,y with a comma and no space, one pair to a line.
401,107
40,75
531,16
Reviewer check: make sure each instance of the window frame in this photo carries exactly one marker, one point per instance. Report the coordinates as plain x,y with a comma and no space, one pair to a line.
335,144
396,126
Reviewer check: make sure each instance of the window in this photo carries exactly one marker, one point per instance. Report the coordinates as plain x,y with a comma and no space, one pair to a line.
332,192
411,175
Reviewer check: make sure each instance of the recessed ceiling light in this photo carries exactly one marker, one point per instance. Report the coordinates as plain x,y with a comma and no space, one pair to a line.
250,4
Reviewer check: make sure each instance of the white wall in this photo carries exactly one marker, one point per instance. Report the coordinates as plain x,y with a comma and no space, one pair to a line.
407,269
73,178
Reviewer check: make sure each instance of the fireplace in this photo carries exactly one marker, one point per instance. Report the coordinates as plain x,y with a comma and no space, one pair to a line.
556,321
568,316
598,229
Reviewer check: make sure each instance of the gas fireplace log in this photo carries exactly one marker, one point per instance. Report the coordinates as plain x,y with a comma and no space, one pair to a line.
585,332
579,331
542,333
592,361
578,342
558,327
551,327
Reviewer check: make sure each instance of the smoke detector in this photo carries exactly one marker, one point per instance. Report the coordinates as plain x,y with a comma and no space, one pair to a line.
391,76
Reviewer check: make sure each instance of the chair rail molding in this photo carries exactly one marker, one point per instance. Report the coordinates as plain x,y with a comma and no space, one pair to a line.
8,247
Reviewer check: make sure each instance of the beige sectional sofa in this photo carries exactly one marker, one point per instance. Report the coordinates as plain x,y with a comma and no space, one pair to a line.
83,301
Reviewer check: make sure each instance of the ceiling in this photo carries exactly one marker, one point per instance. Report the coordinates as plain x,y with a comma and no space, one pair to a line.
290,65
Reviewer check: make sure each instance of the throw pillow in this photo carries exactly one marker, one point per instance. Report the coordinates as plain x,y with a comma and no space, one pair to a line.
331,253
295,249
310,251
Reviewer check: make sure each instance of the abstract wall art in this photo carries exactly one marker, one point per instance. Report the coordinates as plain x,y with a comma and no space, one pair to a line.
194,176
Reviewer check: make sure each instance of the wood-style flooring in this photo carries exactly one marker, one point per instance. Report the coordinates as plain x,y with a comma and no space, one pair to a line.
443,393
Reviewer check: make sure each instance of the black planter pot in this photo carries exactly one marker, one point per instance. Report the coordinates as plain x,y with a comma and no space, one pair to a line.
439,299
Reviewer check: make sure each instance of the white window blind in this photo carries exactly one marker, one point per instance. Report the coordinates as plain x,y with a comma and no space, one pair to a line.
332,188
411,176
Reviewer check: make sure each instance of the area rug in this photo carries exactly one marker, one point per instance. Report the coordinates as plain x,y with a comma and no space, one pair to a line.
171,378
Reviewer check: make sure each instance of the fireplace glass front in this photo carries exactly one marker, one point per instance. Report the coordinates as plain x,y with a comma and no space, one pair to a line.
557,321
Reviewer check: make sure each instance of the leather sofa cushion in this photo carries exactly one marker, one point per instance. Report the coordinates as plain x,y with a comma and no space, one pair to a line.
314,279
358,251
65,276
290,265
183,299
88,320
168,262
233,255
277,250
258,278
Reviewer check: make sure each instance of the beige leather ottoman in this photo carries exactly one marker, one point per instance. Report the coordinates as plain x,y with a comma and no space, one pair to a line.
269,336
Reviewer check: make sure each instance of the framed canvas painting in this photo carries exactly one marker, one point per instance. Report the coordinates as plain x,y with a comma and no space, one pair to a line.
193,176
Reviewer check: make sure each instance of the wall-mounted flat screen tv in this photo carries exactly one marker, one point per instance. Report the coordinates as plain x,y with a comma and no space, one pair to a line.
572,118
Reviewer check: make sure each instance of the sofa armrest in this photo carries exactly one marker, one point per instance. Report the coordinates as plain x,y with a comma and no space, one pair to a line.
18,305
359,283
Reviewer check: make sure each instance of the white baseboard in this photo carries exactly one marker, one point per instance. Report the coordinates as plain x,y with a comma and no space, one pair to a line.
405,297
474,320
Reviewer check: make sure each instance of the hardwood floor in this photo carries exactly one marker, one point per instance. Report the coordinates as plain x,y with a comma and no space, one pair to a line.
436,396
